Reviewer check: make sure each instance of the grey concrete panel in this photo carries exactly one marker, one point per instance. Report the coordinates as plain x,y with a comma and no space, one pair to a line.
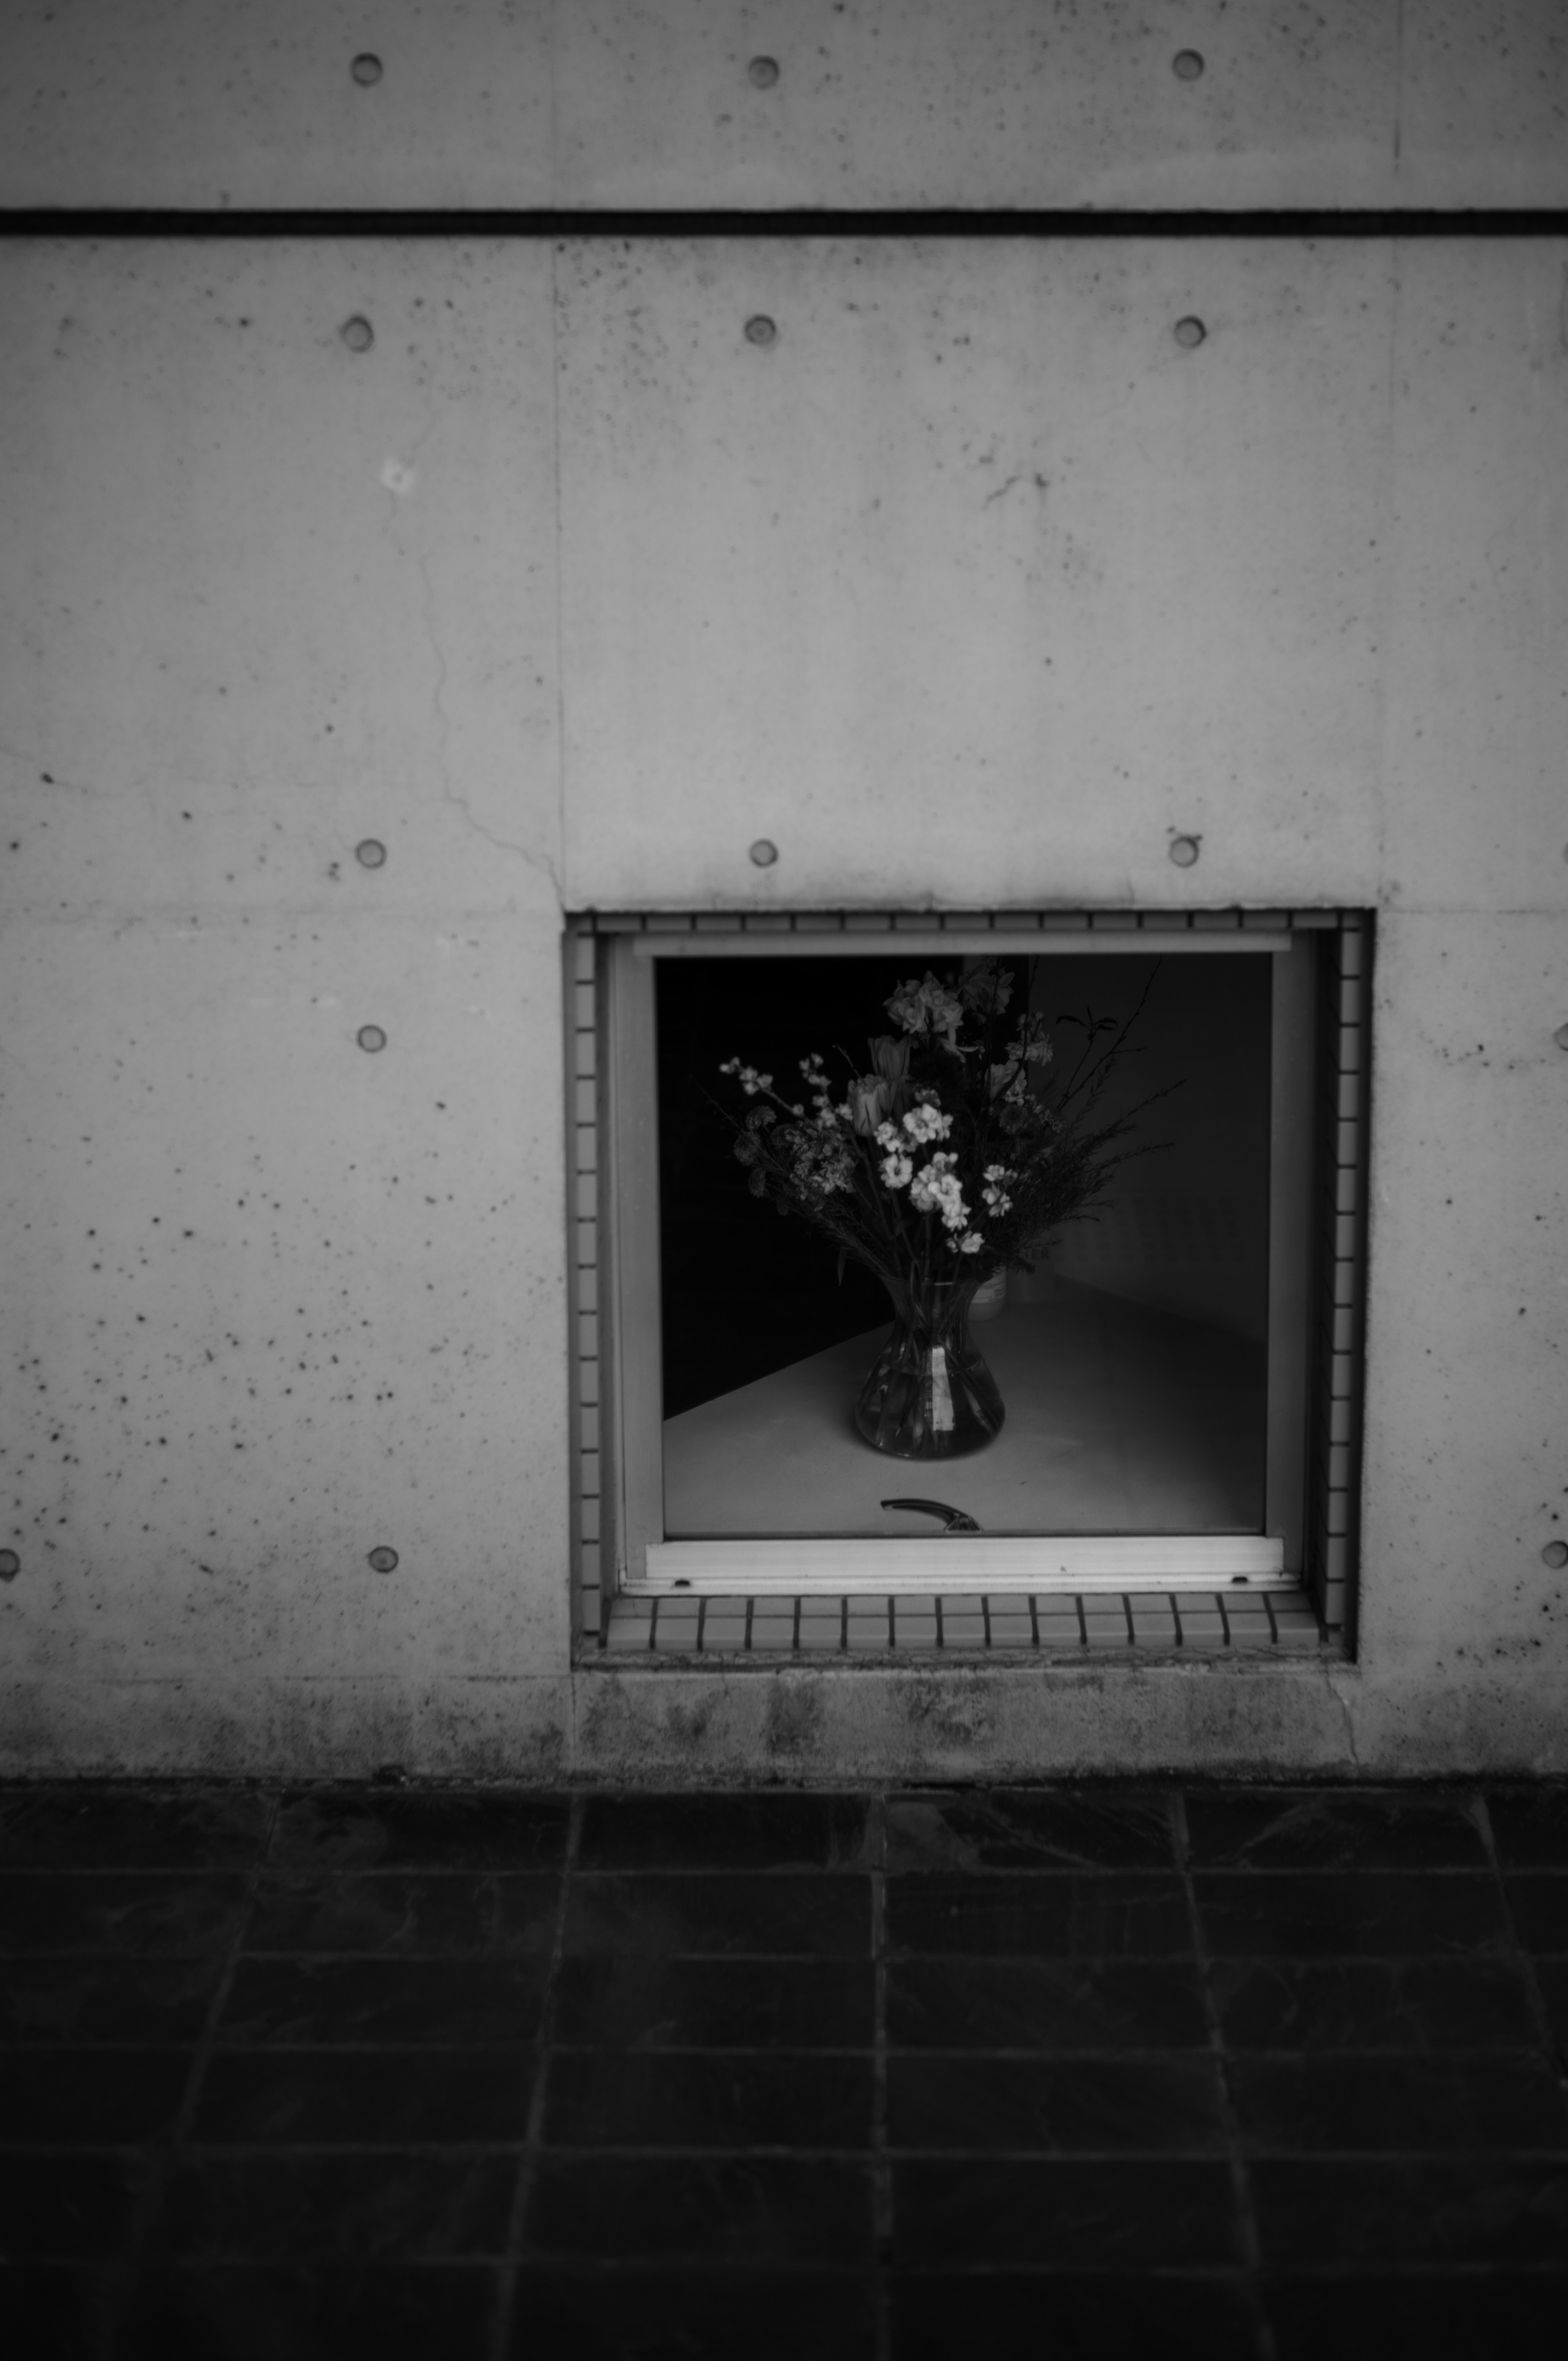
1464,1476
266,597
973,584
274,1301
675,104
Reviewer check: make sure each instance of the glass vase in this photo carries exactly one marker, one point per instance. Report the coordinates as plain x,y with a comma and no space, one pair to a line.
929,1394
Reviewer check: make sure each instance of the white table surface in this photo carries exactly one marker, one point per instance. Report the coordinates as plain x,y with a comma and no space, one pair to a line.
1120,1419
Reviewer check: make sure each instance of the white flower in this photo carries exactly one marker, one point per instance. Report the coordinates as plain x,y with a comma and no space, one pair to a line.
937,1191
897,1171
926,1123
748,1077
995,1195
928,1007
972,1244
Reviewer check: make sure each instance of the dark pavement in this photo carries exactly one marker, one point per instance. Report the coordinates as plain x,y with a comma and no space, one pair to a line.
385,2070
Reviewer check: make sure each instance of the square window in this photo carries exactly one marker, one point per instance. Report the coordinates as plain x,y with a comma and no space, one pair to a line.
1177,1372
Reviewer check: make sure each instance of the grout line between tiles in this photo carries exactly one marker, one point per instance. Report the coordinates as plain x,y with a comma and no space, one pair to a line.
533,2135
1545,2032
119,2283
881,2171
1248,2233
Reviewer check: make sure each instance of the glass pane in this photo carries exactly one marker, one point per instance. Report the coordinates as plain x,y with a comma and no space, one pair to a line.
1130,1363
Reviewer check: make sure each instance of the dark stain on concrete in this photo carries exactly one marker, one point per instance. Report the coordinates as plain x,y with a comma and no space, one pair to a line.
792,1723
947,1712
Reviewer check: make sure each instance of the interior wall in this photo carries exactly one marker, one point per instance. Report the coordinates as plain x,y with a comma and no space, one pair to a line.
504,548
1186,1224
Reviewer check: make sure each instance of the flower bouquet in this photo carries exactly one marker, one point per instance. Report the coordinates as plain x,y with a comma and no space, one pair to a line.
944,1164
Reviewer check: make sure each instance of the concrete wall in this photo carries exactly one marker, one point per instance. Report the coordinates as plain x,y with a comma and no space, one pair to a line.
668,104
562,589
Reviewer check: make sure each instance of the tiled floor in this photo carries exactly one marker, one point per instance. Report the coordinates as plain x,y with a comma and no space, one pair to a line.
385,2071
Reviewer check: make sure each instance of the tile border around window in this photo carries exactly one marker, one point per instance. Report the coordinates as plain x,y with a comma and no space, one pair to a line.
615,1630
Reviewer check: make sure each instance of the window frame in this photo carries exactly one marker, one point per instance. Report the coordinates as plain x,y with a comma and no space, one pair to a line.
615,958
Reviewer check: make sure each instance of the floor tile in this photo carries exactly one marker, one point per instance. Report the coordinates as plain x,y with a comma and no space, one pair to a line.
1531,1825
357,1828
178,1913
1335,1828
423,2002
74,2001
757,2209
119,1825
66,2308
803,1916
1494,2315
1074,2212
713,2315
1398,2004
1539,1908
1045,2005
363,2098
724,1832
1120,2105
1024,1828
713,2100
230,2312
1055,2122
1313,2210
1070,1916
56,2207
1076,2316
90,2097
1552,1976
408,1915
619,2002
389,2206
1399,2103
1392,1915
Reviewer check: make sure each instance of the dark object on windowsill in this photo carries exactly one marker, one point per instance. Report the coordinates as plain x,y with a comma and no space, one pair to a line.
955,1520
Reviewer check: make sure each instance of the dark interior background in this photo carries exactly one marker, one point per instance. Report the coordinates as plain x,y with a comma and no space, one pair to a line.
1186,1229
745,1290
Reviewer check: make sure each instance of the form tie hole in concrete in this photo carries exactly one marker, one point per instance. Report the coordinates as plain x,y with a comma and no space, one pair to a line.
366,69
1189,333
1187,65
10,1566
760,330
371,1037
383,1561
1184,850
371,854
763,72
764,853
1561,1037
1555,1555
358,334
